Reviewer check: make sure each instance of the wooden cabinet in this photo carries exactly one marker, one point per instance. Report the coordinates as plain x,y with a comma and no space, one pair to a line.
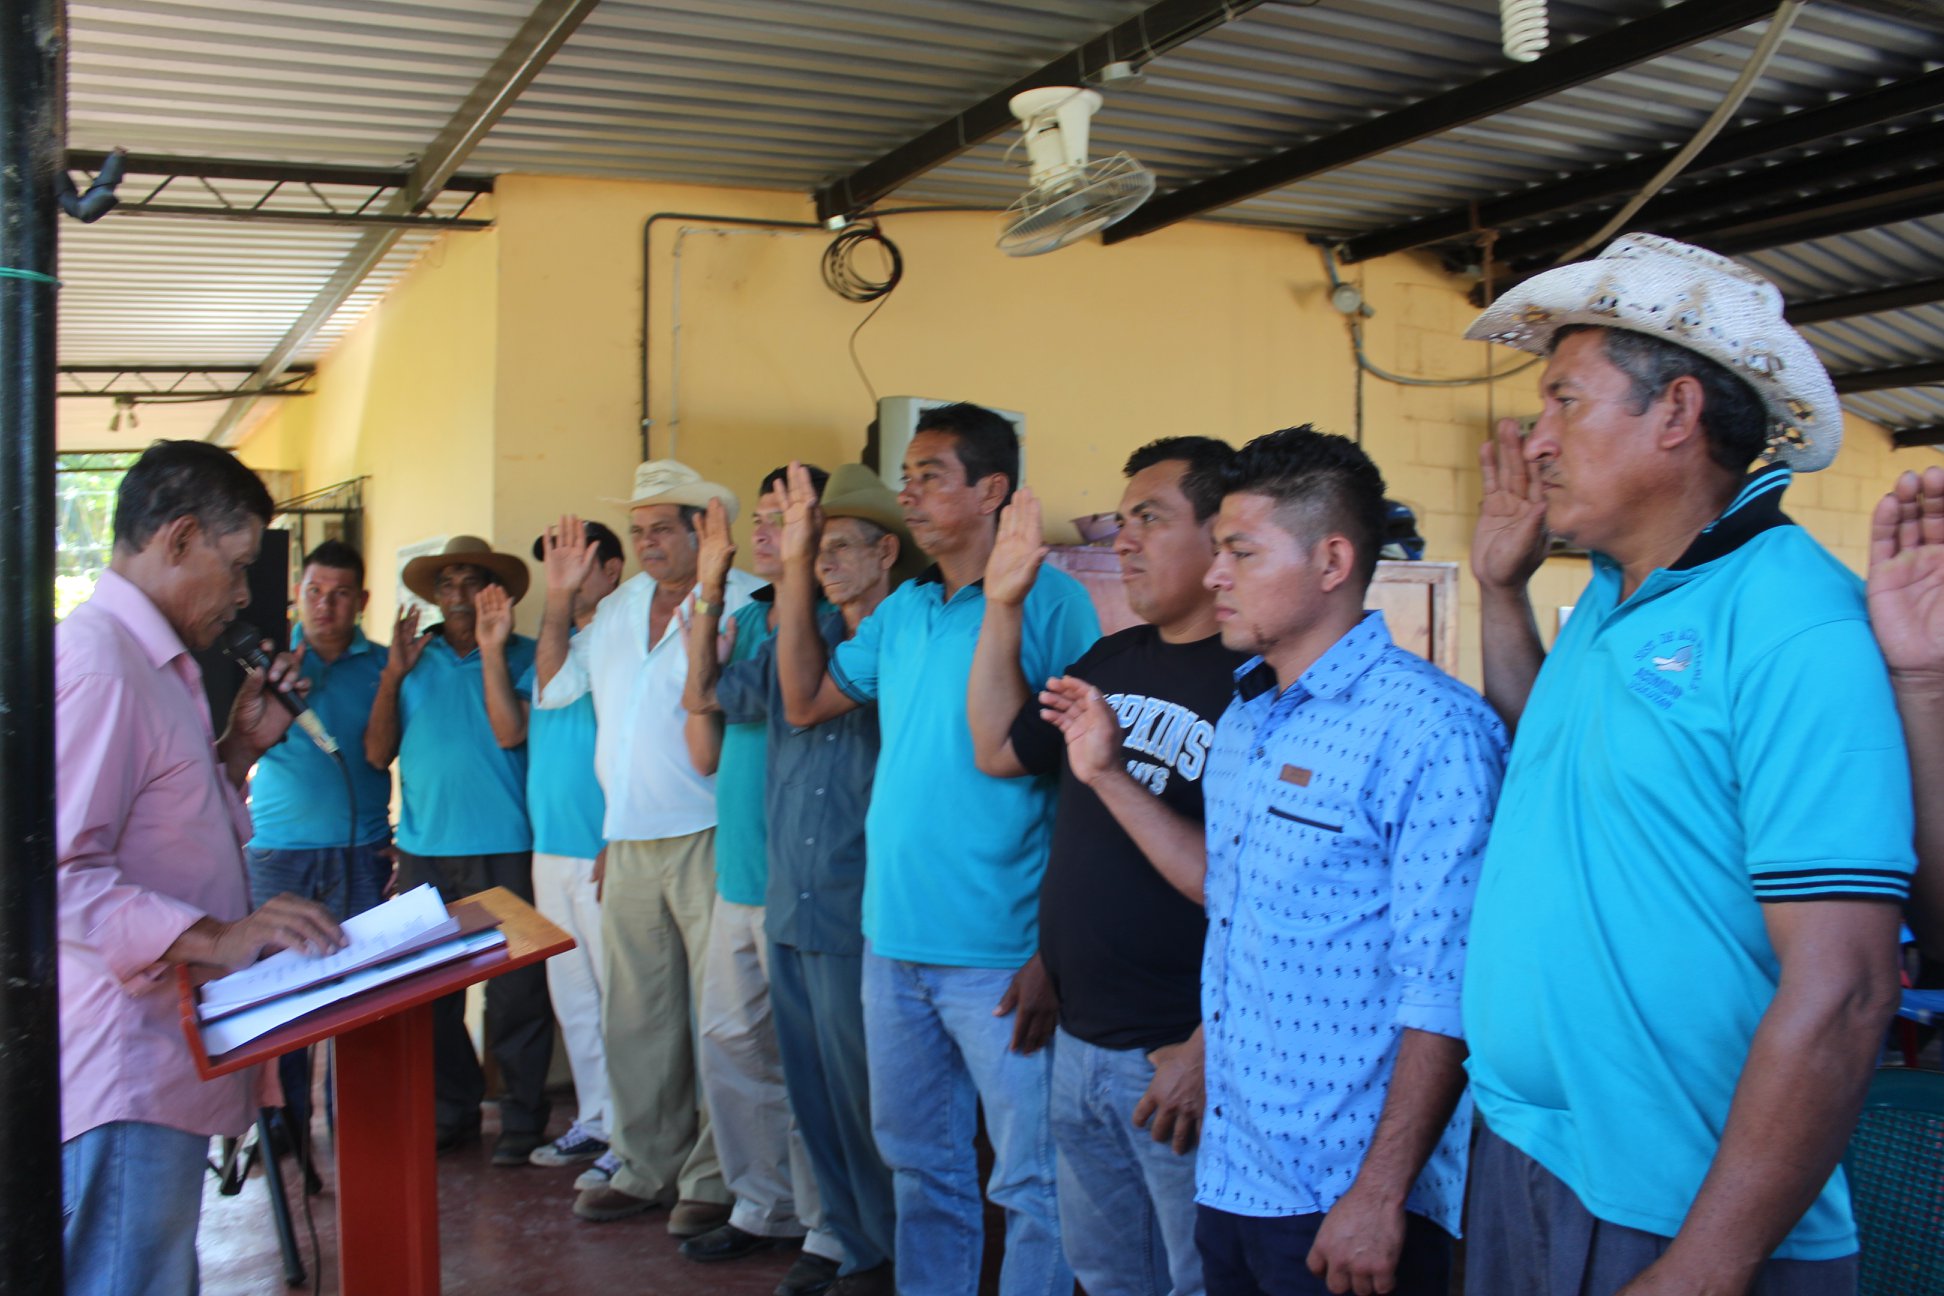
1419,599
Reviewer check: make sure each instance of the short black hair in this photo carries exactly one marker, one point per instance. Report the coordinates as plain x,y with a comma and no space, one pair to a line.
818,478
607,545
1322,484
175,479
986,441
1202,454
339,555
1733,416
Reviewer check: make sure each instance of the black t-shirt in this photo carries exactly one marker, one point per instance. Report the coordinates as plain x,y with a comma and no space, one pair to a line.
1123,946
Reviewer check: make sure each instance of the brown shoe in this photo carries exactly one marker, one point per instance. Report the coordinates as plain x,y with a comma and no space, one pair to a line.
694,1218
878,1281
607,1202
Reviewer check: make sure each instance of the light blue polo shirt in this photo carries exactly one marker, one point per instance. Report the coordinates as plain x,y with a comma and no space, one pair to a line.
1723,740
463,793
297,794
953,857
742,839
564,801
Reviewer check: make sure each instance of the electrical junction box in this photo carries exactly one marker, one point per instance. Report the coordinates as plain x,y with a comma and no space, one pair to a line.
897,422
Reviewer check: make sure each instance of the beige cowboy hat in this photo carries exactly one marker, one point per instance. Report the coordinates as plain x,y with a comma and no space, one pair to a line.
422,573
667,481
855,491
1697,299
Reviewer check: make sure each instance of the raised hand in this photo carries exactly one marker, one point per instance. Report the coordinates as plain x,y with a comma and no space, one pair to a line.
1017,552
715,549
802,517
569,554
1090,727
726,642
1509,541
493,617
1906,586
407,644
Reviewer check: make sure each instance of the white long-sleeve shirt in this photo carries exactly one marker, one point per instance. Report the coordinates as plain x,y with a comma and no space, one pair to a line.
653,790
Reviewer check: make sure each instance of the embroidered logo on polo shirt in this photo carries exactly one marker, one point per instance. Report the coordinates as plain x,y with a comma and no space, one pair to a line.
1667,667
1295,774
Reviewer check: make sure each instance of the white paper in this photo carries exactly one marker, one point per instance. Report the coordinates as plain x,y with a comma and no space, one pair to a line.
221,1036
418,916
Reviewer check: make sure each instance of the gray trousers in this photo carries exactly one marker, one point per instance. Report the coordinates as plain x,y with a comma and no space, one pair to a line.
1528,1235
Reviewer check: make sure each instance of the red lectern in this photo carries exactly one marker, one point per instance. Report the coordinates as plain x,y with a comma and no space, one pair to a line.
388,1186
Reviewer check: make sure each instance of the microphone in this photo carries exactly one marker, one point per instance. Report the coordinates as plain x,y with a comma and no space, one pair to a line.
242,643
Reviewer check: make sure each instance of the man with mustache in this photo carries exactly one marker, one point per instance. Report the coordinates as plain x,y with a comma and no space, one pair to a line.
463,825
1684,951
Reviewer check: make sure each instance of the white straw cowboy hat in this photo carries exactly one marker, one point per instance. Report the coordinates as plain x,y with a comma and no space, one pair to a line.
421,575
1697,299
666,481
855,491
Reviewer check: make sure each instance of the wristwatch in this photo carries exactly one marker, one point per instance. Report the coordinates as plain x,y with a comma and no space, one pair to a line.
706,608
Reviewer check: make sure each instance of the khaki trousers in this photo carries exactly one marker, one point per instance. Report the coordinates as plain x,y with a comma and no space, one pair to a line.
655,907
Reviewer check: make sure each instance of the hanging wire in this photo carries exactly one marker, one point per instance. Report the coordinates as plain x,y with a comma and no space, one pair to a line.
1785,16
845,277
1364,362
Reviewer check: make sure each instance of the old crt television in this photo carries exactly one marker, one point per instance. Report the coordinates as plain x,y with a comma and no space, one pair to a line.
897,422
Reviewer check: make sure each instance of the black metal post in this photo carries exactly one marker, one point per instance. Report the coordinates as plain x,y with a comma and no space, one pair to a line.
30,1074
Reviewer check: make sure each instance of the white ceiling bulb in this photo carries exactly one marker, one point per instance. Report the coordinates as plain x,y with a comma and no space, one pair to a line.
1522,28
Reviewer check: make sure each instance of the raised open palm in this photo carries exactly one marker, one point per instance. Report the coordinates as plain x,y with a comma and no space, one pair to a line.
1017,552
1509,541
1907,572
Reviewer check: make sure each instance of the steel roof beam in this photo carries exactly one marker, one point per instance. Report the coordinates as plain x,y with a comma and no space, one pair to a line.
270,172
538,40
1584,60
1155,30
1875,301
1700,206
1869,380
1857,112
1913,438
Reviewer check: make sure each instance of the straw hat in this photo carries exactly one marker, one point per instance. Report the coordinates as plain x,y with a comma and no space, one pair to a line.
422,573
667,481
1697,299
855,491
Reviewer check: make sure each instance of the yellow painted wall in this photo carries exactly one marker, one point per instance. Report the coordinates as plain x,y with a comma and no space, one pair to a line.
405,400
497,385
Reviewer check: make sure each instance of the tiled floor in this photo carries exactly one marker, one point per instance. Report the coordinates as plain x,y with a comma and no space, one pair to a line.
501,1233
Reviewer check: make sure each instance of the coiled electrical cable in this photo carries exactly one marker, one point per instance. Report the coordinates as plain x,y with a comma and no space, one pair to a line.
845,277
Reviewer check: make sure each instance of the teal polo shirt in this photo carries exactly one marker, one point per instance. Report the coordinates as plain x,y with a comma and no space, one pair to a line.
297,796
564,800
953,858
742,839
463,793
1722,741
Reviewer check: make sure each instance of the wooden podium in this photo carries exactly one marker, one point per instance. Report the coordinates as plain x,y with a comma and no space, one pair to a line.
387,1183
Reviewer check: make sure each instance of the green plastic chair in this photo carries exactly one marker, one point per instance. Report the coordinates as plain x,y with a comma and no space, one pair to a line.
1895,1167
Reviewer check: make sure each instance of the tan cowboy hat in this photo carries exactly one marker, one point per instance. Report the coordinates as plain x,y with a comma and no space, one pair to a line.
422,573
1693,298
666,481
855,491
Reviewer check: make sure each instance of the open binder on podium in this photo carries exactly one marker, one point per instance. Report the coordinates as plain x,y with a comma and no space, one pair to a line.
381,1027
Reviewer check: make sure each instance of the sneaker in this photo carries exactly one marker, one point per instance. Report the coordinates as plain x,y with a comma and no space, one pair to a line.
598,1174
571,1148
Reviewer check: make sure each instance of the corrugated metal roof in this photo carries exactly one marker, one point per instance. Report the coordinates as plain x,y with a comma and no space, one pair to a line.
792,93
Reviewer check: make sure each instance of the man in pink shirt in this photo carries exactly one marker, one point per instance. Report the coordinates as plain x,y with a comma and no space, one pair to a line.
149,830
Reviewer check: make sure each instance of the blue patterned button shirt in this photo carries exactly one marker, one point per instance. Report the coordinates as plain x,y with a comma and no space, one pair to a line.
1347,817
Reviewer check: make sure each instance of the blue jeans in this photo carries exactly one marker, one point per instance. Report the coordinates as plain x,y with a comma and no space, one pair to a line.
1127,1203
346,883
130,1197
937,1054
817,1001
